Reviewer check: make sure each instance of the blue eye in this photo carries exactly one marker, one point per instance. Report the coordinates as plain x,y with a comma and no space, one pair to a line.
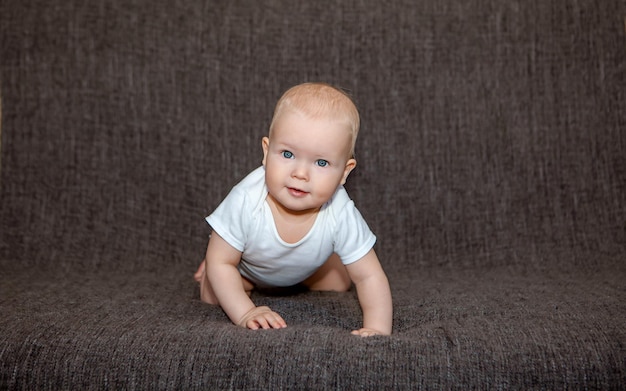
322,163
287,155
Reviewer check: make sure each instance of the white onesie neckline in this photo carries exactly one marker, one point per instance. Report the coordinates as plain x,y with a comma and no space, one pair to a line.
267,209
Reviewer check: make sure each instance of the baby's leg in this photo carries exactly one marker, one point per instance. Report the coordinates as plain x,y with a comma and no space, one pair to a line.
206,291
332,276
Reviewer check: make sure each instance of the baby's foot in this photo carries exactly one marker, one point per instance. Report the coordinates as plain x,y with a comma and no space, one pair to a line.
199,273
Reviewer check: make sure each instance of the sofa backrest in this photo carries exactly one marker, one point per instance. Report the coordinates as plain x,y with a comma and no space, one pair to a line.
491,130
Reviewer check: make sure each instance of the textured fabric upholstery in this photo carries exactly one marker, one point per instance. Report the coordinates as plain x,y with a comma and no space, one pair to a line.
491,166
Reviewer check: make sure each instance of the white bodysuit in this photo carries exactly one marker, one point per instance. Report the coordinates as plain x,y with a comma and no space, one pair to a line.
244,220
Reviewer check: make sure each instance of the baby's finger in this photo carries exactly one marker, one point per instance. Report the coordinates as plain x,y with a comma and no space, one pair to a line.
262,322
364,332
252,324
277,321
269,321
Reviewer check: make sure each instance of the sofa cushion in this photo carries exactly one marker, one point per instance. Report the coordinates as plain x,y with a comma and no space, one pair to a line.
491,168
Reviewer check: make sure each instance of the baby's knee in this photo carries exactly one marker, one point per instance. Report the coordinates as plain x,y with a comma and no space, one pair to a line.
344,285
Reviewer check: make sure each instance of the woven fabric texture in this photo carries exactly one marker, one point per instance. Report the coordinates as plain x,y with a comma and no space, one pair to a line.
491,166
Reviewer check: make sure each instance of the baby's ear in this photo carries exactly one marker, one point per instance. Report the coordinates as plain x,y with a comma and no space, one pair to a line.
265,144
350,165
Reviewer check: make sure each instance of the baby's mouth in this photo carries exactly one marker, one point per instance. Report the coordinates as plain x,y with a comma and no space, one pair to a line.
296,192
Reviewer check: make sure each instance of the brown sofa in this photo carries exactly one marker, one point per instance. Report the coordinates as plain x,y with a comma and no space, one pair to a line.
492,168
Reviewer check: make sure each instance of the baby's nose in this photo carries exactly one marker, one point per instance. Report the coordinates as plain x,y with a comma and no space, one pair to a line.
300,171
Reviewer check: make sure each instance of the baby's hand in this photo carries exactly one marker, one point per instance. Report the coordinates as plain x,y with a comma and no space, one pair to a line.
262,317
365,332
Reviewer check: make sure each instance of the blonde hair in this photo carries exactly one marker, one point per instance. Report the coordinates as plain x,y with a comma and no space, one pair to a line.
320,99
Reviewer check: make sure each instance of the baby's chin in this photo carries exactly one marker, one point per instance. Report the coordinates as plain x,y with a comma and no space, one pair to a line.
286,203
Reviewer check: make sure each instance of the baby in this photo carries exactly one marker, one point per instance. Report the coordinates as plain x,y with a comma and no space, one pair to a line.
291,221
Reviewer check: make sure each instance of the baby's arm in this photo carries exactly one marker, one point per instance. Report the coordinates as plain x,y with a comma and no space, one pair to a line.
374,295
221,268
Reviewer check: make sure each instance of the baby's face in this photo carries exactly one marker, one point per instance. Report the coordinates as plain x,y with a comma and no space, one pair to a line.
306,159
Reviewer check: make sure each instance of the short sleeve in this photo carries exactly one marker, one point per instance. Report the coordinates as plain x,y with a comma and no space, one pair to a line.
227,220
353,237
